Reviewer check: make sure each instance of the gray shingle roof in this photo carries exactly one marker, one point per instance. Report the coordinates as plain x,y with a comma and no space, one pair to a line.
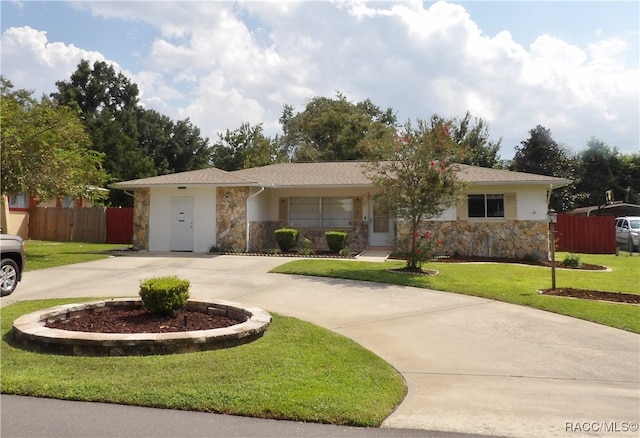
209,176
339,173
484,175
328,174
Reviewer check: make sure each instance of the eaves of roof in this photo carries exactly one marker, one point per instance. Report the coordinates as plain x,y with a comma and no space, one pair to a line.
203,177
323,175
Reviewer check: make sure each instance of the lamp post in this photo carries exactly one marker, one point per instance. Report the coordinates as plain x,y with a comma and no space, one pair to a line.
552,218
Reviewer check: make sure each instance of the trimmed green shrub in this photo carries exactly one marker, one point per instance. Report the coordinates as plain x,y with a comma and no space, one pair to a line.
531,257
286,238
336,240
572,261
163,295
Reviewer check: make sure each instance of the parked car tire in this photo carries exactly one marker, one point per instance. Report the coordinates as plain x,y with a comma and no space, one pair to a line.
10,274
630,245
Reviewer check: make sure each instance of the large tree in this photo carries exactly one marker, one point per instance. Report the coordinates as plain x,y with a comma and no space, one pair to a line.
245,147
333,129
602,168
45,149
419,179
137,143
541,155
474,136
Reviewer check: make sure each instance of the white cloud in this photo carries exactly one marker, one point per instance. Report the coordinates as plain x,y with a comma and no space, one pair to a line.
223,63
33,63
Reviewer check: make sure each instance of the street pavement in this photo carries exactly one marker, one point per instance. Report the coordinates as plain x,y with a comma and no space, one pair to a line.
472,366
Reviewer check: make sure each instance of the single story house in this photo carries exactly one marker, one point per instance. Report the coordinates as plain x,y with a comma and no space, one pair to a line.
503,213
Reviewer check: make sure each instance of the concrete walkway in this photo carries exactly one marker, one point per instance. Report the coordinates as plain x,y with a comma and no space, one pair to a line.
378,256
471,365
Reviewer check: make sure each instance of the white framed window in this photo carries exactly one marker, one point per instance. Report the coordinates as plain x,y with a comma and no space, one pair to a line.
320,212
486,206
304,212
68,202
337,212
18,200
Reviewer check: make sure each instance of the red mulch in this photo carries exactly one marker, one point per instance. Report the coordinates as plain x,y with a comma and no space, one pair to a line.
141,321
597,295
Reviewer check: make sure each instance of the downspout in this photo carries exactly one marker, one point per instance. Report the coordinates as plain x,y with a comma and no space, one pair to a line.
248,224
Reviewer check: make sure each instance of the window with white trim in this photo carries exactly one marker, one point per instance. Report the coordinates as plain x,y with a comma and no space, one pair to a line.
486,206
320,212
68,202
18,200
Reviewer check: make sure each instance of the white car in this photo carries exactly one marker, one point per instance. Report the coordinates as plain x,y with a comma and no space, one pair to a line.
628,232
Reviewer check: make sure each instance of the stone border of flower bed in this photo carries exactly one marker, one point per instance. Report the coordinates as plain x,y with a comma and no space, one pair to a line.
29,331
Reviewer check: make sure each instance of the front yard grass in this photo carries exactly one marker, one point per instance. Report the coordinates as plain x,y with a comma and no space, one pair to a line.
296,371
43,254
511,283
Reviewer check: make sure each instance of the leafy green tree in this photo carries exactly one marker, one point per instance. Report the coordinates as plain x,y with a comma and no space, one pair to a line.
97,88
474,135
245,147
602,168
631,178
333,129
45,149
419,179
187,149
541,155
137,143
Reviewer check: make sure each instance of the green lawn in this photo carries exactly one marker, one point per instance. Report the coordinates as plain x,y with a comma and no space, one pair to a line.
512,283
45,254
296,371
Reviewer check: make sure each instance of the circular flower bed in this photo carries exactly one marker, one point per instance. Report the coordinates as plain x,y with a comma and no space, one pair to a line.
31,331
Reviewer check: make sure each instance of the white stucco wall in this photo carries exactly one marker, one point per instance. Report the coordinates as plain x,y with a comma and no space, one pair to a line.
531,201
204,217
258,207
264,207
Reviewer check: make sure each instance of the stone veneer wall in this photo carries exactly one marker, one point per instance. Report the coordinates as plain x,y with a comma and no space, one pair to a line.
262,236
231,218
509,238
141,209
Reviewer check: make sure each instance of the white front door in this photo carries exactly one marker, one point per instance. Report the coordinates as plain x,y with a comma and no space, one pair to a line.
181,223
380,226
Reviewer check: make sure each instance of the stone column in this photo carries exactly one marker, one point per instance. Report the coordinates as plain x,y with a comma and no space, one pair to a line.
141,209
231,218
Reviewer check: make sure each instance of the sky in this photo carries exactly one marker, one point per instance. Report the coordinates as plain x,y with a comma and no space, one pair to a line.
571,67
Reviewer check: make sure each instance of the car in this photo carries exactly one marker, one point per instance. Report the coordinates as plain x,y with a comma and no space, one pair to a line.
14,261
628,232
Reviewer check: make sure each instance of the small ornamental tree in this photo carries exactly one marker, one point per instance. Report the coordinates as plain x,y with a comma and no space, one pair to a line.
418,179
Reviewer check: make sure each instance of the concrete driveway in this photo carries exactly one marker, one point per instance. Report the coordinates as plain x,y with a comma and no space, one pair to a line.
471,365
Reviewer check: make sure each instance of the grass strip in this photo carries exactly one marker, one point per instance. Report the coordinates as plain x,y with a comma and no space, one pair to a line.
511,283
296,371
43,254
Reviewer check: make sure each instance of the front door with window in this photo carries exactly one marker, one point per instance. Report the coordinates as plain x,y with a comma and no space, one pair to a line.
181,223
380,226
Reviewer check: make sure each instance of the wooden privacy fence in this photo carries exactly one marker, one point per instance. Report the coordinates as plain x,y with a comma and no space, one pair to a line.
586,234
92,225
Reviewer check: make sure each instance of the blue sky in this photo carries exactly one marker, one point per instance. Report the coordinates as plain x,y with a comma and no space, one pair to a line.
572,67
